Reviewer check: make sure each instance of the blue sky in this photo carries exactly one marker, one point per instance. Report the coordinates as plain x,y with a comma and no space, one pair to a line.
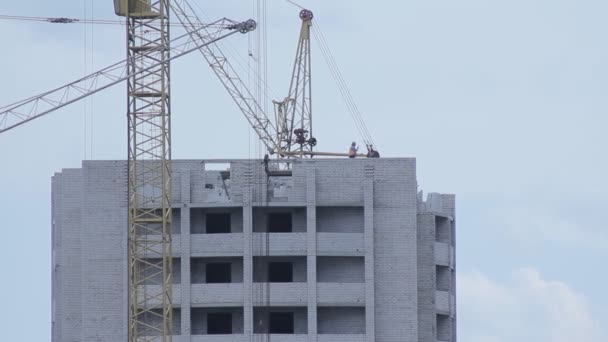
501,102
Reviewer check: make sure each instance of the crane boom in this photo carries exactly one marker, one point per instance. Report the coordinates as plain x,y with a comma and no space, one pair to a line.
229,78
26,110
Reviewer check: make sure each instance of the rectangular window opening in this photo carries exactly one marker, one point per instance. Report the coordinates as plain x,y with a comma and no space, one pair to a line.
279,223
218,273
442,229
219,323
281,323
280,272
443,327
218,223
442,278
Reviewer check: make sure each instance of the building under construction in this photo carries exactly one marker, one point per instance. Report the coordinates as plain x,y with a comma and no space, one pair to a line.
327,250
288,248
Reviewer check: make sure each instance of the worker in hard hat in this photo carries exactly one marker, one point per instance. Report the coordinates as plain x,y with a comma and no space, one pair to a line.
352,151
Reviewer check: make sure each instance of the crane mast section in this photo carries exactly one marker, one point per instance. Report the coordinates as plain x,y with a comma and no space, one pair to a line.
229,78
149,173
21,112
294,113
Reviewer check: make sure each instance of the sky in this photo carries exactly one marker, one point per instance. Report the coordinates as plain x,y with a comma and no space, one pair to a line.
501,102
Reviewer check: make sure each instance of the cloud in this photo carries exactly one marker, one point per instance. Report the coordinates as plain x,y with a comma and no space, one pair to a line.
524,308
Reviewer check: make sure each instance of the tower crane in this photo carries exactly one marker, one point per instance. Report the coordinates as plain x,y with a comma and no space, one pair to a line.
147,72
294,113
290,136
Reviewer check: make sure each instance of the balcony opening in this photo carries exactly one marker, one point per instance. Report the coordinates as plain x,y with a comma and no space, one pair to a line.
453,232
279,269
279,220
280,272
216,270
218,273
281,323
216,220
176,224
216,321
279,223
218,223
280,320
442,229
219,323
442,278
444,329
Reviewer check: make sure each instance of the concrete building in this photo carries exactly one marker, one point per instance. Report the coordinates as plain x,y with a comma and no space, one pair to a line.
334,250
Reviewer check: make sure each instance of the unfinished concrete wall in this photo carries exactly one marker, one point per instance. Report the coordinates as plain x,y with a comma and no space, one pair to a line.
67,205
340,270
395,250
340,220
341,320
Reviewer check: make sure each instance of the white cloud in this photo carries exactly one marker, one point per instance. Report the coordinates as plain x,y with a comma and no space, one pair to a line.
524,308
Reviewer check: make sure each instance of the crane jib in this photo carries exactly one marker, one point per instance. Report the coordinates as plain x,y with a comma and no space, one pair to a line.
19,113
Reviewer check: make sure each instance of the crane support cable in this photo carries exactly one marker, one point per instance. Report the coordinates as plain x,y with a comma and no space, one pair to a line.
343,87
64,20
242,96
37,106
241,65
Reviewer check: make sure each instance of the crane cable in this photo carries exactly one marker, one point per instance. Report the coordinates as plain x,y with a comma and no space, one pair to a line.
64,20
243,66
342,86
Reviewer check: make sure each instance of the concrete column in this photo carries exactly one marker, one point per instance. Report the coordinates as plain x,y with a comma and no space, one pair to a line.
185,256
370,307
247,256
311,233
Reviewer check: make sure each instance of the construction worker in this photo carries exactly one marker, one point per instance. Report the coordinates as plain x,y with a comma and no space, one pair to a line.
371,153
352,151
265,162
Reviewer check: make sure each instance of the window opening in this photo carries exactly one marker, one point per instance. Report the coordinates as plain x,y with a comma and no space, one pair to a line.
219,323
281,323
279,223
218,273
218,223
280,272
